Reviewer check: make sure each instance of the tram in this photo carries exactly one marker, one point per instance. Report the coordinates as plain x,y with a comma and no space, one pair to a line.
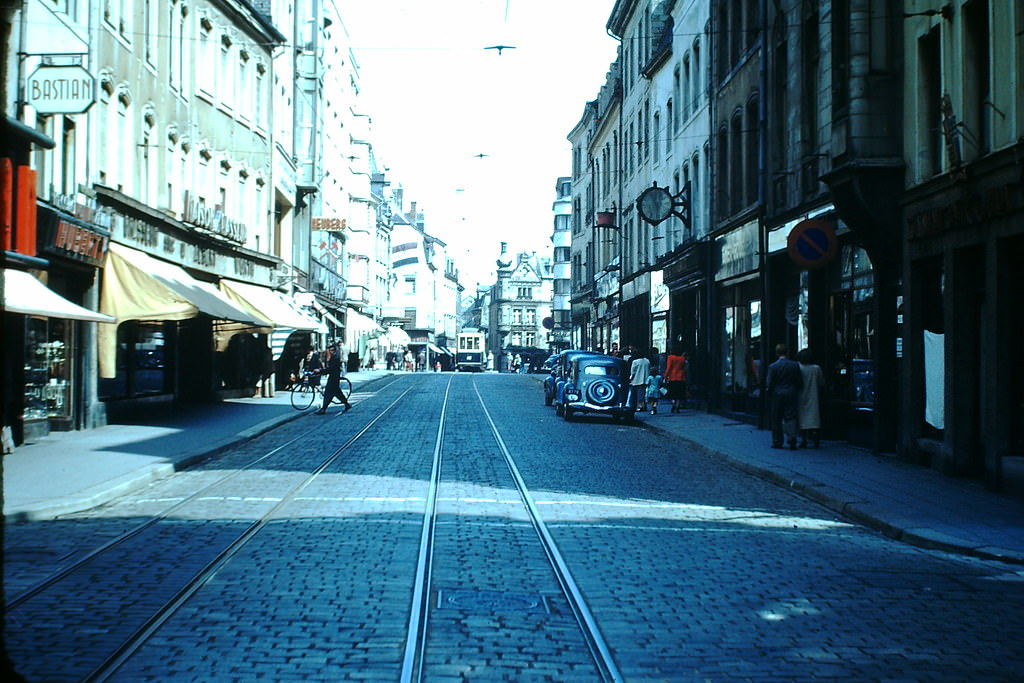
470,352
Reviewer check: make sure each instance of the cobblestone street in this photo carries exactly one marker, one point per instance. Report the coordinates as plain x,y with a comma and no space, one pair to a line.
692,569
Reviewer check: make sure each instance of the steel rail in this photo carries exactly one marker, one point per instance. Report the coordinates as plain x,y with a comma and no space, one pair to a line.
64,572
131,645
415,643
599,649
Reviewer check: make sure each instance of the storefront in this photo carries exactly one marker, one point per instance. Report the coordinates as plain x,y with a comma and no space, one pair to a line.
824,301
738,301
43,355
635,313
961,408
178,336
685,317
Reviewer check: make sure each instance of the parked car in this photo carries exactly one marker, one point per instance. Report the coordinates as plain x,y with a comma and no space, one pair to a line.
559,368
596,384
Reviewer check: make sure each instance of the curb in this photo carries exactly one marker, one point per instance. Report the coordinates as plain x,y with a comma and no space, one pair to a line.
135,479
856,510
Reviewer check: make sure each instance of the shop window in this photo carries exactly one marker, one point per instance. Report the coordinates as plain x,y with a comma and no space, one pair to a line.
740,335
48,355
141,362
853,325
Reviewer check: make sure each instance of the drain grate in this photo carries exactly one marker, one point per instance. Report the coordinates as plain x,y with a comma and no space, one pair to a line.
490,602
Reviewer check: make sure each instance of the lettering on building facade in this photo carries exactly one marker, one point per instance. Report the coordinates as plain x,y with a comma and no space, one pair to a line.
213,219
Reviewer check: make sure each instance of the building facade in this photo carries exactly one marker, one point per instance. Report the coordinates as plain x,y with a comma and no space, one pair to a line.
963,236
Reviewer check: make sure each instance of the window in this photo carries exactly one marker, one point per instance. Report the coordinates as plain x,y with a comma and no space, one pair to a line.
150,32
174,47
669,127
930,94
206,57
657,137
686,87
517,316
226,72
677,95
978,77
524,293
530,316
530,339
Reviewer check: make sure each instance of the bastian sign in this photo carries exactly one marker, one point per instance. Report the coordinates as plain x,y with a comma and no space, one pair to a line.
60,90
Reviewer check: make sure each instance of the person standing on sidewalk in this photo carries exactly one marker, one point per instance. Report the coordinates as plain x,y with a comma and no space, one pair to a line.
783,387
809,413
675,378
654,387
639,369
333,388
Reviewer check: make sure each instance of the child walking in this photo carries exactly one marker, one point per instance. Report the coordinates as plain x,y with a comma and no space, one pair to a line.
653,390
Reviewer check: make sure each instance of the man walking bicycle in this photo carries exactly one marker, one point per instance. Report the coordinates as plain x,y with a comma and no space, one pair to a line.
333,389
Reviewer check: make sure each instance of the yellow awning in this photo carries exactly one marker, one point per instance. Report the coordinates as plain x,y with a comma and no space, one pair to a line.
270,305
25,294
137,286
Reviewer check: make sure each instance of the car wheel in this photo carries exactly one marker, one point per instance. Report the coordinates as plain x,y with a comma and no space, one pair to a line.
548,400
559,410
567,414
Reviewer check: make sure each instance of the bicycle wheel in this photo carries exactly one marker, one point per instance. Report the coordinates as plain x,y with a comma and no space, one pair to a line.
303,396
345,387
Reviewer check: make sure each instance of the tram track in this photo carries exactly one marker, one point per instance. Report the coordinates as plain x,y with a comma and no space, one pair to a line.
90,555
116,549
165,598
414,665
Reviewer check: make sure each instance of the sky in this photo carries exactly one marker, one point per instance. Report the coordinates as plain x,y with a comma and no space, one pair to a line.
438,99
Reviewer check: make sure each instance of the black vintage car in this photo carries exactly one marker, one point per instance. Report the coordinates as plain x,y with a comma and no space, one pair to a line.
596,384
556,376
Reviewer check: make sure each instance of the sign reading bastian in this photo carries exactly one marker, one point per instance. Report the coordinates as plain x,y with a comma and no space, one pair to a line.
60,90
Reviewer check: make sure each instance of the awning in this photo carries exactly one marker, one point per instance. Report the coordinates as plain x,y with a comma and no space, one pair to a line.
358,322
396,336
268,304
322,310
25,294
137,286
435,349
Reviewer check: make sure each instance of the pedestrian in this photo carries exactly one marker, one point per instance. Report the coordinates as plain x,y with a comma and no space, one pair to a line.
675,379
654,389
809,409
783,387
639,369
333,388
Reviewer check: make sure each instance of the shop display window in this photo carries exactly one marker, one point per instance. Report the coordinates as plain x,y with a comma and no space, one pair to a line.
141,361
48,355
741,335
852,311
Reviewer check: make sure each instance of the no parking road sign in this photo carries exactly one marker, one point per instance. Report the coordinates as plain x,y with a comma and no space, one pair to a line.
812,243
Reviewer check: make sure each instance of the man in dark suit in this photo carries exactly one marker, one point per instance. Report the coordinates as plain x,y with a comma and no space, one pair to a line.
783,386
333,388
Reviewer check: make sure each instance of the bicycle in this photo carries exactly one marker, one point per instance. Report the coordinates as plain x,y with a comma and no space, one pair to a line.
305,393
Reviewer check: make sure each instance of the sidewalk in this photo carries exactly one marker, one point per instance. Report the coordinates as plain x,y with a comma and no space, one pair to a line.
911,503
45,479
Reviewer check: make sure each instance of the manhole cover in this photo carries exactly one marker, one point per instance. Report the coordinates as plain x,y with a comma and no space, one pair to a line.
490,601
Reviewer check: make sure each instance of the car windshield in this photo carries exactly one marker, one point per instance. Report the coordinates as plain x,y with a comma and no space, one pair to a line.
601,370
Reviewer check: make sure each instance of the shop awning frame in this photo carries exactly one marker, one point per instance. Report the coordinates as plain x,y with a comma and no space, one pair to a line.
23,293
271,305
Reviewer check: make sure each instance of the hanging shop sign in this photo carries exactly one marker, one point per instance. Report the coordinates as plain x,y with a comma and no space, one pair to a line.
812,243
60,90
